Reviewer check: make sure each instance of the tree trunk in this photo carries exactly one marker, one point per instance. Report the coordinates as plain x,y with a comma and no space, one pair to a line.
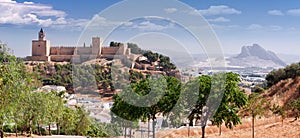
203,131
30,127
125,132
190,124
189,130
49,129
148,127
16,130
253,117
2,132
220,130
130,130
57,128
123,128
39,129
153,127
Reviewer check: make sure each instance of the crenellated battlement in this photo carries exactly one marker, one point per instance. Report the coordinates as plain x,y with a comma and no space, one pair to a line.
42,51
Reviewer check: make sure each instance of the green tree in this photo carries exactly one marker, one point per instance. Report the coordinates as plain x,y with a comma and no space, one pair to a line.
135,49
233,100
170,86
68,123
82,122
279,110
256,107
295,107
14,82
203,90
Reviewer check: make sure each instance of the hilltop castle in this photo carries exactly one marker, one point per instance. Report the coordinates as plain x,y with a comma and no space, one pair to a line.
42,51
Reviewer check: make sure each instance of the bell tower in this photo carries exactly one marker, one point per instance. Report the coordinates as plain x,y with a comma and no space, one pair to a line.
42,35
41,47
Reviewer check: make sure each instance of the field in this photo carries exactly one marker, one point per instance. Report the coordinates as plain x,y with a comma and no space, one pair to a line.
264,128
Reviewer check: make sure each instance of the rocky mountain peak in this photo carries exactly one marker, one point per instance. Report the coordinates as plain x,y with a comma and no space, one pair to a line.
257,51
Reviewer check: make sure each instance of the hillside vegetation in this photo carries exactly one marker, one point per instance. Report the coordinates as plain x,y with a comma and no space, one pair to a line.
275,76
97,75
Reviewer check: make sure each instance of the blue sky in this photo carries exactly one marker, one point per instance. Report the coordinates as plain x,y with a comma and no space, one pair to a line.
275,24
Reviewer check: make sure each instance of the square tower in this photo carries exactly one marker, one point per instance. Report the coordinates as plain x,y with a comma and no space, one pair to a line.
41,47
96,45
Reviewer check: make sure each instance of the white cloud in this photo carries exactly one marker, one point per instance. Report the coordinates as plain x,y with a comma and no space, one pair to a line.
294,12
219,19
7,1
224,27
275,28
219,10
170,10
30,13
255,27
147,26
26,2
99,21
276,12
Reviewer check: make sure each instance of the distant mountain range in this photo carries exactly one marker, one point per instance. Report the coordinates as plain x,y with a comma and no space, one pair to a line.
250,56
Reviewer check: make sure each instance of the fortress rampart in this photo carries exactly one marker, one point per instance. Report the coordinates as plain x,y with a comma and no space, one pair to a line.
42,51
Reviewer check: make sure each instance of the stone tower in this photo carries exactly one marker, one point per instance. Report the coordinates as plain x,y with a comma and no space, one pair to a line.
41,47
41,35
96,45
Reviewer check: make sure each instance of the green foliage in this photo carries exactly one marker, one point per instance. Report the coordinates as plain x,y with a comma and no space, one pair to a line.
170,86
233,100
135,48
256,106
295,107
69,75
291,71
15,82
98,129
82,121
152,57
114,44
279,110
164,62
258,89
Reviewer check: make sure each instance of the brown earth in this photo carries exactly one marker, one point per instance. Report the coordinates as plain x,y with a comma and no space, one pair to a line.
280,94
264,128
283,92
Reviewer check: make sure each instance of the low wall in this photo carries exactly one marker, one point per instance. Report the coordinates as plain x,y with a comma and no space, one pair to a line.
61,58
84,50
109,50
38,58
62,50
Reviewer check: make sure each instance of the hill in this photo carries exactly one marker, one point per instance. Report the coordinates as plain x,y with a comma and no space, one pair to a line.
104,75
284,91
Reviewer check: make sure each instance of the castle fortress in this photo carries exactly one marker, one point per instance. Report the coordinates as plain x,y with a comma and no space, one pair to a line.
42,51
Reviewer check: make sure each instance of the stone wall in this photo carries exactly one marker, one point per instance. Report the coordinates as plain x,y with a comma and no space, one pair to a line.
62,50
109,50
38,58
61,58
40,48
84,50
54,51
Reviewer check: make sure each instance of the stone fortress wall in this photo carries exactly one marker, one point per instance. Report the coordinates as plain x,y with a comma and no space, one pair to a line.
42,51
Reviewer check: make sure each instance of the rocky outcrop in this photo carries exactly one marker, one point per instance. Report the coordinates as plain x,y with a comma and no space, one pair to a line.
256,56
257,51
